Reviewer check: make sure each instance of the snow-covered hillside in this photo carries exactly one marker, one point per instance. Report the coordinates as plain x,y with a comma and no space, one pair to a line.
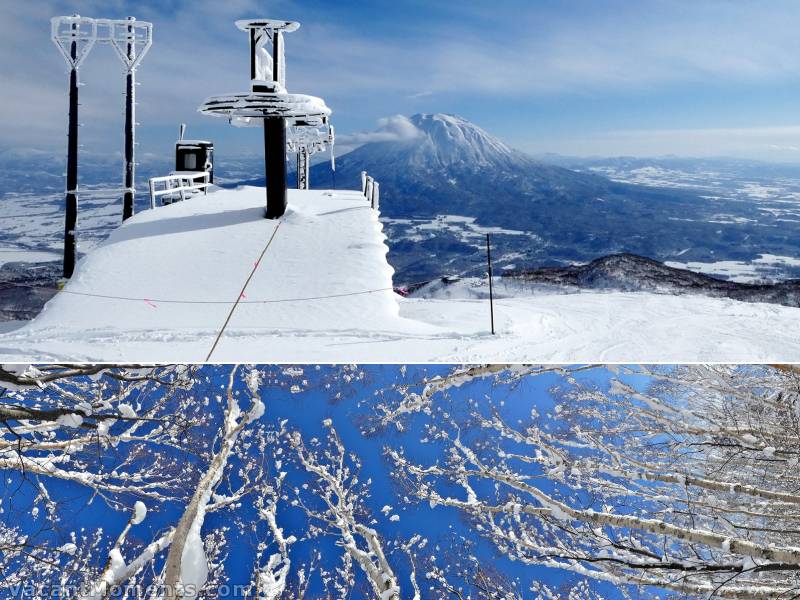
161,286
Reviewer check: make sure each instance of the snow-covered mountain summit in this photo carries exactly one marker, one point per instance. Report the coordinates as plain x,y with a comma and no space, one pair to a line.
437,143
456,161
447,140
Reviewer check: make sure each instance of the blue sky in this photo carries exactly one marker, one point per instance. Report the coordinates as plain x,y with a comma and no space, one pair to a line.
574,77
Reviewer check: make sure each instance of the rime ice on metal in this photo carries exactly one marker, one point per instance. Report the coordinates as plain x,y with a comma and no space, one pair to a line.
305,141
269,104
74,36
131,40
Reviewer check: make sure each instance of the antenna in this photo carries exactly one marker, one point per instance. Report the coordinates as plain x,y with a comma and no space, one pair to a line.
74,37
182,131
268,104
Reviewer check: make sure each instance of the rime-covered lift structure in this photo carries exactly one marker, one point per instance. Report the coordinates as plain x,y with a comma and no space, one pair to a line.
305,141
74,36
131,40
269,104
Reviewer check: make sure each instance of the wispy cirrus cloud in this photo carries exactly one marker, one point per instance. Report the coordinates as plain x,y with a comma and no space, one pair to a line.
622,46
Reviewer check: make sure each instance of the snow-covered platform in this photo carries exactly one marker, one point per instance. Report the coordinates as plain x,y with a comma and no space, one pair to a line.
162,285
173,274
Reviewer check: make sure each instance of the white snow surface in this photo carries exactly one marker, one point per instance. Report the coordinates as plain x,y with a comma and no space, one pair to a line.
766,266
194,565
126,410
139,512
70,420
68,548
329,245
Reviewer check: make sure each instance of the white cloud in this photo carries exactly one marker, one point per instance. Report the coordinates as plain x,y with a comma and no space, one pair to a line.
511,53
396,128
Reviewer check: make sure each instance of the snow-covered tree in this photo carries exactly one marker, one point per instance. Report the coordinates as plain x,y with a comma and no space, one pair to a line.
336,507
651,481
126,434
63,425
690,485
165,448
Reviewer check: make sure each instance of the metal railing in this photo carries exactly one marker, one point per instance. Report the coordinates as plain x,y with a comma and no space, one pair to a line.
371,190
178,184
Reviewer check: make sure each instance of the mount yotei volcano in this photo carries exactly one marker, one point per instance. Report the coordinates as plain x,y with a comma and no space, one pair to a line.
447,182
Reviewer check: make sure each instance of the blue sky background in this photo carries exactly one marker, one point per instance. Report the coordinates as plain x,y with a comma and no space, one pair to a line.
305,412
582,77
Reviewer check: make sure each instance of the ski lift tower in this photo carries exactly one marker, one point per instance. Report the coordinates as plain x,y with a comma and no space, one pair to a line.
305,141
269,105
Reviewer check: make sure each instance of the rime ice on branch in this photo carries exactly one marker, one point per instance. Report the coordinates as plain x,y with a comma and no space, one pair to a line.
688,485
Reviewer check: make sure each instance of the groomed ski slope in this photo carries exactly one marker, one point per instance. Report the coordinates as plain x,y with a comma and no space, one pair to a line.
322,293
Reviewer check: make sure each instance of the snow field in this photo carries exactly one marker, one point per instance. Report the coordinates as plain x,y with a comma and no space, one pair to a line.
327,252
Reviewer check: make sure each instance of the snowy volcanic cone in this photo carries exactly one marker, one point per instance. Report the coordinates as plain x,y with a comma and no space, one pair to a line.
449,142
443,164
425,148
